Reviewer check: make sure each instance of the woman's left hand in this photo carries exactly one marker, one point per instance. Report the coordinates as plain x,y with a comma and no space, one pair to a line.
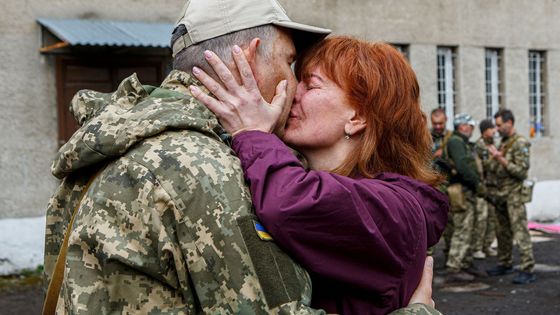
238,107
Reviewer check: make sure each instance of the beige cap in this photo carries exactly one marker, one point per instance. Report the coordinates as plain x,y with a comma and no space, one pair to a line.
206,19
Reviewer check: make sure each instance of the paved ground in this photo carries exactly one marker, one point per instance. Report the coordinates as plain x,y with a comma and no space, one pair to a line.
501,296
23,296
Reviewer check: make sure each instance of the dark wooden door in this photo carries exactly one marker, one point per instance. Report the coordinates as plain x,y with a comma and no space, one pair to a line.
103,75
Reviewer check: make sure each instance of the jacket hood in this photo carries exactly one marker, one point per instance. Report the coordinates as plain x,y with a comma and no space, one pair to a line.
111,123
433,202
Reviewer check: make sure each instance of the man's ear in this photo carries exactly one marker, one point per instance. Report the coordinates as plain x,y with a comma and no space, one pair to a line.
356,124
251,51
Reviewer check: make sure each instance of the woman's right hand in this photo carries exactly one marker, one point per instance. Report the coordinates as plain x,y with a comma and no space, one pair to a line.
423,293
238,107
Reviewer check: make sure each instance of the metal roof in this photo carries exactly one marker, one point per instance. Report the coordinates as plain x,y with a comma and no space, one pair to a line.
109,33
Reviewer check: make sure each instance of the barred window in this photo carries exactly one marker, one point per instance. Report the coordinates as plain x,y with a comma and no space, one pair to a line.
494,87
537,93
446,64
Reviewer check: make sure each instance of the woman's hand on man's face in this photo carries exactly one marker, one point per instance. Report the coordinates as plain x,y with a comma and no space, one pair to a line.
238,107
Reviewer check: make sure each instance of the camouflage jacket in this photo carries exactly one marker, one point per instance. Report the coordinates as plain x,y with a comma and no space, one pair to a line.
166,226
439,141
508,181
480,148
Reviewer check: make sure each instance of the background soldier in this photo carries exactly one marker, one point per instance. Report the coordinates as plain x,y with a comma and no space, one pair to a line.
440,135
463,186
484,226
507,171
438,131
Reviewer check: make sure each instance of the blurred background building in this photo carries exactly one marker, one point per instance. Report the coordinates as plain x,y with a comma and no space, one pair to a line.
471,56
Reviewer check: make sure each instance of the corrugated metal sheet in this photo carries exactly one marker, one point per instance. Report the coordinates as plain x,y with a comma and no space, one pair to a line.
109,33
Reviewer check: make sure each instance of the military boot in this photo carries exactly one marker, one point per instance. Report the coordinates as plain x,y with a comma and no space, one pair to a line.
524,278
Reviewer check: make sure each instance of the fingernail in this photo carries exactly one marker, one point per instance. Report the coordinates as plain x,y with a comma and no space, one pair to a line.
193,89
430,262
208,54
236,50
195,71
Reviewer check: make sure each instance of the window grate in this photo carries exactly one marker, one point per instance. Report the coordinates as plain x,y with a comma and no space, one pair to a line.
494,87
446,65
537,93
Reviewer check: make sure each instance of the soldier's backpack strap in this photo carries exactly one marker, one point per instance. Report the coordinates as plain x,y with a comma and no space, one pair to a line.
51,299
445,153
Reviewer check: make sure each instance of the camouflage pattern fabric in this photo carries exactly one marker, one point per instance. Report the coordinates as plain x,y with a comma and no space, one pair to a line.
458,233
505,185
504,188
490,234
512,224
438,139
166,227
507,181
459,256
484,226
417,309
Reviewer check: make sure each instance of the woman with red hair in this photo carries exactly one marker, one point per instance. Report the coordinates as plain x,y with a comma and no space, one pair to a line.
362,215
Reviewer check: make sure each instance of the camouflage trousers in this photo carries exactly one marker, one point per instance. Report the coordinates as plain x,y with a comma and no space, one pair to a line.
459,256
484,225
512,224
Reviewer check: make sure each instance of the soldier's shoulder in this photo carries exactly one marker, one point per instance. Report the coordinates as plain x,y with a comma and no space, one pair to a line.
455,140
522,143
523,140
186,157
182,147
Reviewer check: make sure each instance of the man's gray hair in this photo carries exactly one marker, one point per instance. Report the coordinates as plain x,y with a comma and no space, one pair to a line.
193,55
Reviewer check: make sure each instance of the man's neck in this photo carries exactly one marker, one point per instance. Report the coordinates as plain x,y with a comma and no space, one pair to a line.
511,133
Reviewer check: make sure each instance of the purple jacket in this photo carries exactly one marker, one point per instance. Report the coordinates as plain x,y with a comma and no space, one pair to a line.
363,241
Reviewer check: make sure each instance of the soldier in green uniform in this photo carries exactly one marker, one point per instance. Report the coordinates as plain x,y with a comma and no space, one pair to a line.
507,171
152,215
484,227
462,190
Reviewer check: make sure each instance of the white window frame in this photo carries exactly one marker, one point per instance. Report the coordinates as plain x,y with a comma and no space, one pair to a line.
537,95
446,59
493,75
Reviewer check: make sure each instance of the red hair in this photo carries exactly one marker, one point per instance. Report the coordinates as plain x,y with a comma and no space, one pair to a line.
381,86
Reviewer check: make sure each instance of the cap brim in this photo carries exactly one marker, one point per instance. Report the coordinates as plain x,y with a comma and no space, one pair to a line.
303,27
304,35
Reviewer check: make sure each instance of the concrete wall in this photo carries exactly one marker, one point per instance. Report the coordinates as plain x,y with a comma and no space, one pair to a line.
28,94
27,79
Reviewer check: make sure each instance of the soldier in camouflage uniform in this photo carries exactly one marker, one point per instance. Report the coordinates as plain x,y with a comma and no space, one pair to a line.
507,171
440,135
484,226
464,178
165,225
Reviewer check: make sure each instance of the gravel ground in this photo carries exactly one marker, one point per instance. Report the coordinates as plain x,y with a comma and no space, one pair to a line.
24,296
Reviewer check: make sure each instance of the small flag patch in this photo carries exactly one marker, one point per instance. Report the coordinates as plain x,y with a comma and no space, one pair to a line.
262,232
